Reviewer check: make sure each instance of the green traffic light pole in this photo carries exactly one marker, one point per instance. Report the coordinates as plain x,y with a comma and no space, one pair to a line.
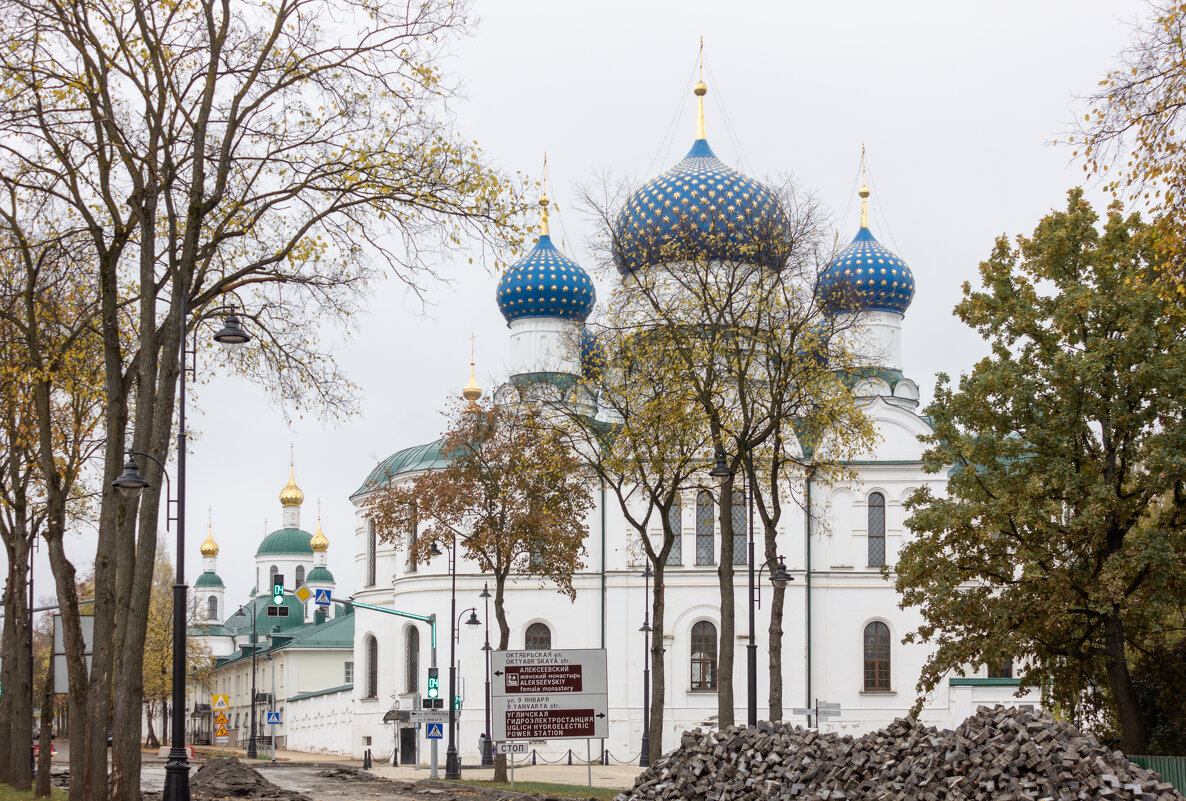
431,620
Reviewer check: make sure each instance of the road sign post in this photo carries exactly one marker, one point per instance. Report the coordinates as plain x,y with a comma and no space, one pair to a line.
222,735
549,695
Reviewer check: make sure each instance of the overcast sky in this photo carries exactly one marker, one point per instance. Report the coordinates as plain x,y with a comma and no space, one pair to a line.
957,103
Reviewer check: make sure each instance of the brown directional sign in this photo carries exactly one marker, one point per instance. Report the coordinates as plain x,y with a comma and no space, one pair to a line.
544,724
543,679
549,695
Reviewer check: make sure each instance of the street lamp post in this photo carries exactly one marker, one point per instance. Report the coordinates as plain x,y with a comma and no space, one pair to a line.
231,336
487,749
644,758
251,749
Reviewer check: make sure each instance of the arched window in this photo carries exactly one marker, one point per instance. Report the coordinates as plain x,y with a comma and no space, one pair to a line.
1004,670
877,657
538,637
412,659
212,608
300,576
371,648
675,518
704,656
876,530
272,571
739,527
371,544
704,539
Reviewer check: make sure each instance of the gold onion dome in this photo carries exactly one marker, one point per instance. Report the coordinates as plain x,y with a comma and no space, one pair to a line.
209,547
471,392
291,495
319,542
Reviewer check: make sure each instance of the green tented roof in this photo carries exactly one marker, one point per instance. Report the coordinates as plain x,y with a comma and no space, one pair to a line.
289,541
208,579
337,632
409,460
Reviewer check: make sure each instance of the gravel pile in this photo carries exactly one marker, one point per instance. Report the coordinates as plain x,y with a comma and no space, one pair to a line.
998,754
227,777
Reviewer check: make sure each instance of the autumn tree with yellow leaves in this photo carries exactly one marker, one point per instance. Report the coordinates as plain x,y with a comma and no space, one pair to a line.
277,158
512,495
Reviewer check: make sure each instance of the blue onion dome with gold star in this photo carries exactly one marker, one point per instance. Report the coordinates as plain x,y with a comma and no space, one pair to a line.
872,276
700,208
546,283
592,356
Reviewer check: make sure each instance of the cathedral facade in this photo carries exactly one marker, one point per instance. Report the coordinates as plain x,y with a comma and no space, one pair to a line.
843,629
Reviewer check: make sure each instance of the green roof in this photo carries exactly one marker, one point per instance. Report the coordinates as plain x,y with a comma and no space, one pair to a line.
337,632
315,693
208,579
319,574
286,541
409,460
984,682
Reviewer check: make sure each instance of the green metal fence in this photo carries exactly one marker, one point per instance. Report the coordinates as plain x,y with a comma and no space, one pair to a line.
1172,769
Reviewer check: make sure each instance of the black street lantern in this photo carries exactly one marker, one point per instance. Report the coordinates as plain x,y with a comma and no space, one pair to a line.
232,336
720,471
780,577
473,621
130,481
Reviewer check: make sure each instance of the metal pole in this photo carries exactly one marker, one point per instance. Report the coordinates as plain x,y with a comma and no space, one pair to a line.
432,749
644,758
751,649
452,769
487,750
251,751
177,768
272,701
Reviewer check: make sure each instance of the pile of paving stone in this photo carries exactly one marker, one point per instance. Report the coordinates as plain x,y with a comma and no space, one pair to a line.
347,773
997,754
227,777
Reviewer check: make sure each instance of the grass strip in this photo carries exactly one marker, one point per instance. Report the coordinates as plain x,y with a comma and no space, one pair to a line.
9,794
547,788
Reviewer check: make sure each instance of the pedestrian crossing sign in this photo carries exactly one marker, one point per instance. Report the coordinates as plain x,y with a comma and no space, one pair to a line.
322,598
222,702
273,718
436,731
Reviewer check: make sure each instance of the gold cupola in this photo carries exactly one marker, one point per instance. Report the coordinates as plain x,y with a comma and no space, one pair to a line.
209,547
291,495
319,542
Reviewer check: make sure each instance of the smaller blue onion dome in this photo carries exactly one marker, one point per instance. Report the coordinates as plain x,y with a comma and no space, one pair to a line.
592,356
700,209
546,283
866,275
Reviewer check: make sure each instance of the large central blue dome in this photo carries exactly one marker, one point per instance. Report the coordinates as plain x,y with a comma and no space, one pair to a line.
700,208
546,283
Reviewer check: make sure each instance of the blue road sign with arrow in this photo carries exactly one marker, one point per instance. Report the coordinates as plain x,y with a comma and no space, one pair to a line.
321,597
436,731
273,718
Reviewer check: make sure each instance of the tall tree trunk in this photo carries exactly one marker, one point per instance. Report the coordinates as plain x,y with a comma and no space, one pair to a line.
504,641
19,725
1128,709
774,632
726,645
46,743
150,739
65,582
7,661
658,672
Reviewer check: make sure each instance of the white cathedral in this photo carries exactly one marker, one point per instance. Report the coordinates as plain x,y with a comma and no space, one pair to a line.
843,628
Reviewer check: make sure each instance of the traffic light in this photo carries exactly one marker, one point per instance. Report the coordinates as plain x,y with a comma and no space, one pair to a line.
278,589
457,703
434,683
